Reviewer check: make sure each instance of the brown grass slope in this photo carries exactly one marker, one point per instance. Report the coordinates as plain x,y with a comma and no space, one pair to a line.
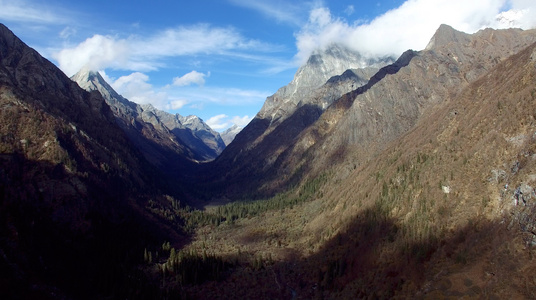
426,217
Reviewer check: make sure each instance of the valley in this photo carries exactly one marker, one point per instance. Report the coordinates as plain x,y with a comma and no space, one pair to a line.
406,178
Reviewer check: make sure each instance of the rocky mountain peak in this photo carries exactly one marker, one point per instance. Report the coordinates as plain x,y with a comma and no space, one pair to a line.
229,134
445,35
193,121
322,65
319,68
91,80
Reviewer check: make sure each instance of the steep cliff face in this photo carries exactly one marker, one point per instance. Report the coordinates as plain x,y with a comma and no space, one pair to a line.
167,140
372,112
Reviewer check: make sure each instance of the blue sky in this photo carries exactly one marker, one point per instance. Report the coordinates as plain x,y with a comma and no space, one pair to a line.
219,60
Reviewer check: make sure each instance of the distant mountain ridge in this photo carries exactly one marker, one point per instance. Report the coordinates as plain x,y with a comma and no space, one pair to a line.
230,133
187,136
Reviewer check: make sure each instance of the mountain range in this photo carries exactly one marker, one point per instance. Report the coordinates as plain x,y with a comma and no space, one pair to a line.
388,178
188,136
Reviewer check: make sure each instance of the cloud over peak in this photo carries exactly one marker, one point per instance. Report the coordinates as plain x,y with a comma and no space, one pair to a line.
96,52
409,26
223,121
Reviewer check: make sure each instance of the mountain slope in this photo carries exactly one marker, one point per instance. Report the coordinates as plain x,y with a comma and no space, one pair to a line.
73,189
366,121
326,77
158,145
442,186
360,123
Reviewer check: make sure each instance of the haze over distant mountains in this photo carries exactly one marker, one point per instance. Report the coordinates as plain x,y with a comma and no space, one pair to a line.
406,178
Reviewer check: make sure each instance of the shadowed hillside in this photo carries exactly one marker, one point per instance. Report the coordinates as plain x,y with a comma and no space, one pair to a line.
73,189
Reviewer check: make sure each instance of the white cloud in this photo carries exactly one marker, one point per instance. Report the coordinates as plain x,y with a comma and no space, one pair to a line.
223,121
281,10
177,104
188,40
218,122
193,77
409,26
67,32
349,10
218,95
144,53
96,52
521,13
241,121
21,11
136,88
